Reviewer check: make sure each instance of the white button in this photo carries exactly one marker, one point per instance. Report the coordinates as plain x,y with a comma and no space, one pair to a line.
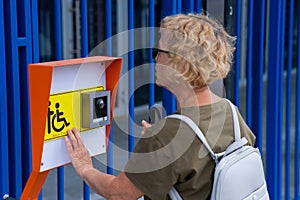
254,197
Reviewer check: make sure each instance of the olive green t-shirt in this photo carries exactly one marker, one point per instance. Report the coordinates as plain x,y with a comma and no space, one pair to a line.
170,153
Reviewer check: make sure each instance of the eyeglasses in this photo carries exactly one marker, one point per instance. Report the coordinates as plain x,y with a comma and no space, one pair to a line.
155,51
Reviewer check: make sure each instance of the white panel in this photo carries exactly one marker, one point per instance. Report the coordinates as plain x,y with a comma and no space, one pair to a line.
77,77
55,153
95,141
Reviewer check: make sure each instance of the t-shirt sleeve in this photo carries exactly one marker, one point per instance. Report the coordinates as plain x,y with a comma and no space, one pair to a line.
245,130
149,170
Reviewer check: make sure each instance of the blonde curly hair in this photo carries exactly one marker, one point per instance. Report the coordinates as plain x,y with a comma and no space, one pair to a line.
200,48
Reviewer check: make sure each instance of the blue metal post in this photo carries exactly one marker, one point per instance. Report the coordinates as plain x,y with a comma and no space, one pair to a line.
84,28
188,6
25,57
273,103
4,180
237,62
13,89
108,21
58,29
249,65
297,114
257,70
191,6
151,43
35,31
109,155
58,56
280,100
288,100
179,5
84,53
198,6
131,75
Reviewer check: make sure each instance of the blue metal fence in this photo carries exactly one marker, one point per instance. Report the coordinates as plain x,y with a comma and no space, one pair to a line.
257,71
288,99
108,26
274,95
18,51
297,115
4,180
19,46
131,76
237,62
249,64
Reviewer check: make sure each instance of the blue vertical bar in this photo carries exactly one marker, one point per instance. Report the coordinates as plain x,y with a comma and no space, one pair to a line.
273,95
25,57
57,31
84,53
35,31
249,65
187,6
174,6
297,114
131,75
151,43
258,69
84,28
4,177
280,100
108,10
168,99
108,27
198,6
58,56
288,100
191,6
237,62
179,5
13,84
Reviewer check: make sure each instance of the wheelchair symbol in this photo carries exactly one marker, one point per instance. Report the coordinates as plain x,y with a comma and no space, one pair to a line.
56,117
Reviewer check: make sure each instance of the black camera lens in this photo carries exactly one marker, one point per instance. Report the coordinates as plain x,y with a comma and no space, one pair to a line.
100,106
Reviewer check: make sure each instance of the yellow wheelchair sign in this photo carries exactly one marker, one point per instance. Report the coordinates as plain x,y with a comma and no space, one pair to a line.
63,114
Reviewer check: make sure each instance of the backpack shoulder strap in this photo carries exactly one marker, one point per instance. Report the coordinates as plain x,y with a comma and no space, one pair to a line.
236,124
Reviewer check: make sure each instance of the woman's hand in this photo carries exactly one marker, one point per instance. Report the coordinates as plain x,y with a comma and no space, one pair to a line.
145,125
79,155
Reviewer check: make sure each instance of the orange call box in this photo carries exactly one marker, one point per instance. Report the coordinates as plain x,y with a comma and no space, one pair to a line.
64,94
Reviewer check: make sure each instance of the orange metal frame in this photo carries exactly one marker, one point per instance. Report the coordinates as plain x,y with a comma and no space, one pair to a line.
40,77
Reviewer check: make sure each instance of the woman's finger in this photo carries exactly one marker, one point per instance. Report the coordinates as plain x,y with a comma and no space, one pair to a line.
73,139
76,134
78,137
146,124
68,144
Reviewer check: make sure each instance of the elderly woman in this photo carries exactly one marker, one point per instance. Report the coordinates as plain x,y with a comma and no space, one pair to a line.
193,52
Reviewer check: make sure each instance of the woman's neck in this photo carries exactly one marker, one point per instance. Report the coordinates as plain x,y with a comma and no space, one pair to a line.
196,97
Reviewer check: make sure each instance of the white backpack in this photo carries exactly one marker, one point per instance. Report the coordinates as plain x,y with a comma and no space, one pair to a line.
239,172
